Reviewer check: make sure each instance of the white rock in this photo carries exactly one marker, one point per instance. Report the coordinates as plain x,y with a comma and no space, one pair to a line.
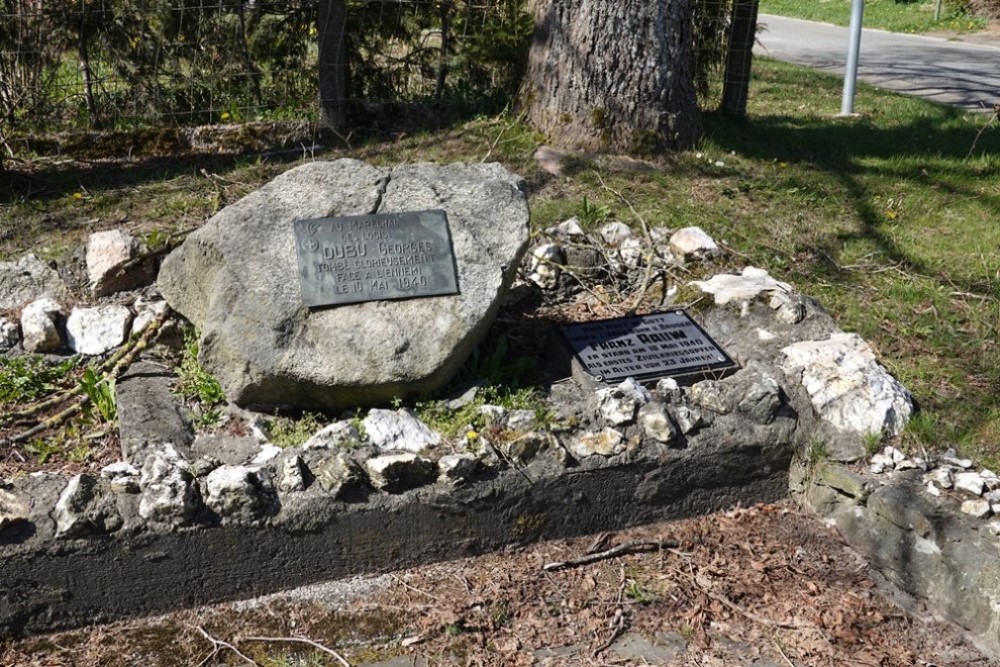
970,482
292,477
146,314
747,286
494,415
119,469
106,253
693,243
232,492
268,452
38,325
97,330
933,489
765,335
990,478
619,404
337,435
942,477
458,468
570,227
631,252
398,429
893,454
880,463
614,233
168,493
993,497
976,507
688,419
847,387
656,422
906,464
669,390
951,457
606,442
994,527
399,472
521,420
545,265
13,510
10,334
81,509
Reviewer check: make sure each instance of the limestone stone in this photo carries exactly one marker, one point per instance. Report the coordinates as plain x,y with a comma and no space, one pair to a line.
976,507
107,253
669,390
82,509
688,419
545,265
618,405
13,510
390,430
28,279
751,283
880,463
942,477
656,423
265,455
203,466
990,478
847,386
951,458
267,349
615,233
971,483
606,442
169,497
458,468
494,415
233,492
520,420
569,227
396,473
149,412
693,243
337,435
146,313
292,477
40,325
528,446
97,330
10,334
337,475
631,252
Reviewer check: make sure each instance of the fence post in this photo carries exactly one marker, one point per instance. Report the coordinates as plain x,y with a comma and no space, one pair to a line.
330,24
739,57
853,49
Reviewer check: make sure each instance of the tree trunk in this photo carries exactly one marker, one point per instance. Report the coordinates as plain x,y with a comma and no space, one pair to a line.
332,63
739,57
613,75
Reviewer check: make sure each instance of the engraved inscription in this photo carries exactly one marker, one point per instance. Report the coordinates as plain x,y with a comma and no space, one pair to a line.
373,257
645,346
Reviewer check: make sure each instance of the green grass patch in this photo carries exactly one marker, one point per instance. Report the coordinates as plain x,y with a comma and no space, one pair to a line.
892,15
27,378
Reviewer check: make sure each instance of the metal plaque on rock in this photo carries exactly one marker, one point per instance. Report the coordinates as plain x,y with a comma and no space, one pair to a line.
355,258
668,344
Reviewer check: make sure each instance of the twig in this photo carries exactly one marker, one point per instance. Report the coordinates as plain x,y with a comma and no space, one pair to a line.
780,651
648,278
621,549
996,114
502,132
414,588
218,644
738,609
302,640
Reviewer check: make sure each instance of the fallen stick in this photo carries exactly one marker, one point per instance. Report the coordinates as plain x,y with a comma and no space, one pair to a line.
621,549
302,640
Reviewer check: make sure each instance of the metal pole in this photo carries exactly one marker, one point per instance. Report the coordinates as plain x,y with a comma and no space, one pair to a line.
853,48
937,11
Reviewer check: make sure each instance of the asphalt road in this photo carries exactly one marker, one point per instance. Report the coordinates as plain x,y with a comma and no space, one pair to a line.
950,72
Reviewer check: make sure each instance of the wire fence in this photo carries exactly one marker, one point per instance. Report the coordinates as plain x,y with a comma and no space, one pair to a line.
113,64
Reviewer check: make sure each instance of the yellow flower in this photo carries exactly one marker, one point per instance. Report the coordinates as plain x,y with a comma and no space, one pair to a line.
471,435
890,214
783,165
77,195
225,115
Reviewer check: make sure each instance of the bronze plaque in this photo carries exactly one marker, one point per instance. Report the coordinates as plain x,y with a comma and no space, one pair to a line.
644,347
355,258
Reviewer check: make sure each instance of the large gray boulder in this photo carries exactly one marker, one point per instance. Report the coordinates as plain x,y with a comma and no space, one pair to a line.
236,280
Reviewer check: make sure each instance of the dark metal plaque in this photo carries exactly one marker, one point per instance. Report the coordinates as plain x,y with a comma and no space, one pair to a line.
668,344
356,258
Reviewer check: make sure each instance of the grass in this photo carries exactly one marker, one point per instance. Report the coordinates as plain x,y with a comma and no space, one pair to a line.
887,219
892,15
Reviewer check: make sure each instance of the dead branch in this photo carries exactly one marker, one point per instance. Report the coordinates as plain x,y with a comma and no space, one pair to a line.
620,550
302,640
218,645
719,597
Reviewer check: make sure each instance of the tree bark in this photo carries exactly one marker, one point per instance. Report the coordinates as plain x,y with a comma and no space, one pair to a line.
613,75
330,22
739,57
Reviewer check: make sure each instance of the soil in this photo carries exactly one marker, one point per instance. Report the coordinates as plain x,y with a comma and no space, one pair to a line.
766,585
